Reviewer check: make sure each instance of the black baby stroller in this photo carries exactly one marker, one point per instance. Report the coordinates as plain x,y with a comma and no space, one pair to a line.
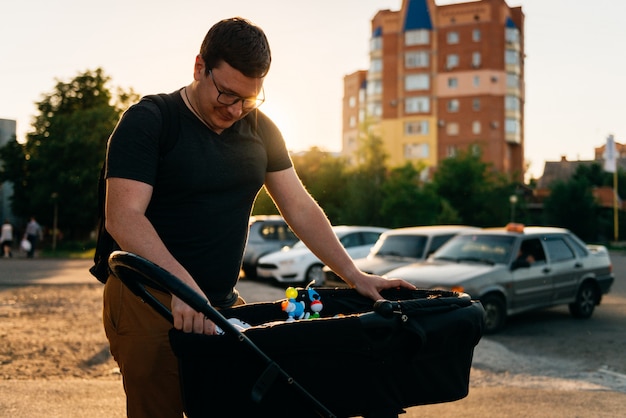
359,359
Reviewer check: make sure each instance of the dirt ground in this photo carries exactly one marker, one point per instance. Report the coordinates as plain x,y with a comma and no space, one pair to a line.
52,332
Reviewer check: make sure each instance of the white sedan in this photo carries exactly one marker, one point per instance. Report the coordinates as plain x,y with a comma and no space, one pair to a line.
297,264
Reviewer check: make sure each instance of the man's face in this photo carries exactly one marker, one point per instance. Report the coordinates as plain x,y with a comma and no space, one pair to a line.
225,95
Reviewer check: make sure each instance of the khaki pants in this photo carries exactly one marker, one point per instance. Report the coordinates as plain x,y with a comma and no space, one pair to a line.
138,337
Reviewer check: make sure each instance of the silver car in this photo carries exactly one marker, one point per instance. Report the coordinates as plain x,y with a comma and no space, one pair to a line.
401,246
516,269
267,233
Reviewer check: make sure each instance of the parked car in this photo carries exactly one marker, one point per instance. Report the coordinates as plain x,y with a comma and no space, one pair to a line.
517,269
401,246
267,234
298,264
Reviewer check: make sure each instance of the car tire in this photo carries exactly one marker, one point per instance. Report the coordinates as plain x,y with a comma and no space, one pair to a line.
495,313
315,272
586,300
249,272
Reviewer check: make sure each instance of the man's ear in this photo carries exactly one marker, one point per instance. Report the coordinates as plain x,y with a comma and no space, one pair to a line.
198,68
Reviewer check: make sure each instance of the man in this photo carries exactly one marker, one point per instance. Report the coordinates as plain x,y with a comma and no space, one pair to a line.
33,234
188,211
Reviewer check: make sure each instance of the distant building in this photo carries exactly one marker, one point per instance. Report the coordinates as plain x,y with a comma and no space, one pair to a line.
442,79
7,133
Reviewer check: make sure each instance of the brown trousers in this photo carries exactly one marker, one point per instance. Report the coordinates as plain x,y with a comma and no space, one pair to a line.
138,338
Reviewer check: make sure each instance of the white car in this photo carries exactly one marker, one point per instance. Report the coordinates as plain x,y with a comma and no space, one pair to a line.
297,264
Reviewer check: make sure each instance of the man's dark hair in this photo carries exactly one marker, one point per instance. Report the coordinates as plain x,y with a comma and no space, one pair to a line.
239,43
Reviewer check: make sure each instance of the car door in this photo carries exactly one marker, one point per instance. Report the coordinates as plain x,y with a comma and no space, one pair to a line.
564,267
567,268
532,282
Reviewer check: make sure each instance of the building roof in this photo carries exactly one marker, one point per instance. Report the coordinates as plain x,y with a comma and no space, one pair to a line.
417,16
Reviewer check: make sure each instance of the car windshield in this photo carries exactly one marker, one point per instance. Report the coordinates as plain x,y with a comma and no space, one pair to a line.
401,246
490,249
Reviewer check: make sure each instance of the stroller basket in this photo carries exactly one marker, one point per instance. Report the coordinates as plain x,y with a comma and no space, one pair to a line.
359,359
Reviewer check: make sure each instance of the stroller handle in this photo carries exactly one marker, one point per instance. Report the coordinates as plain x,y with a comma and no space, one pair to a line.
137,273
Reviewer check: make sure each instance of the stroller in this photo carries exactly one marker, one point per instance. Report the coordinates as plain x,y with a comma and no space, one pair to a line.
359,358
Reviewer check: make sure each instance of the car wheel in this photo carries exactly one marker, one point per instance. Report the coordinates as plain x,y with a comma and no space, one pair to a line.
315,272
586,301
495,313
249,272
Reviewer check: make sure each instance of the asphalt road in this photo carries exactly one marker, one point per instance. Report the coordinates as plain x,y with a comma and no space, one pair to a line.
544,364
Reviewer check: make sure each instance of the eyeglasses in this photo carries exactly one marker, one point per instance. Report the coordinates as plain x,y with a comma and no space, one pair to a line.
229,99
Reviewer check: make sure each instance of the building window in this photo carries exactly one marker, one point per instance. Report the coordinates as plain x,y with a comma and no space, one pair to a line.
376,65
476,59
512,80
476,35
476,81
453,82
420,104
511,35
512,126
453,38
451,151
476,127
453,105
352,101
375,109
416,151
417,37
352,121
452,61
374,87
474,149
511,57
416,59
376,43
512,103
452,128
418,127
476,104
416,82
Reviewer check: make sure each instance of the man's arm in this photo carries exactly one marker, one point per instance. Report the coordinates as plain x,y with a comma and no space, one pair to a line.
308,221
126,204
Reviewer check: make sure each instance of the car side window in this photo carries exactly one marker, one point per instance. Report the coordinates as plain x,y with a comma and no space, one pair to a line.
350,240
369,238
531,250
438,241
558,250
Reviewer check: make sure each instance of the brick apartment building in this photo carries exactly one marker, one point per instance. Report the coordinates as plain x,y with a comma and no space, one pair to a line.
442,79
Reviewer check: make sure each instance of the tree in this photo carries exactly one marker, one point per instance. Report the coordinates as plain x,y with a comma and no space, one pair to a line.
473,189
406,201
364,184
571,205
59,164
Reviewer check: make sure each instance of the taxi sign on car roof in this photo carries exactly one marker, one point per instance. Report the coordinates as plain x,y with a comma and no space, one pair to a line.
515,227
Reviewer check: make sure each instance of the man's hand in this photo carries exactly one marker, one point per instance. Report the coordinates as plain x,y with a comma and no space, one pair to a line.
188,320
370,285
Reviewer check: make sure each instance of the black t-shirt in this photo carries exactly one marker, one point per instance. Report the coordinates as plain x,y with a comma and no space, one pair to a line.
204,187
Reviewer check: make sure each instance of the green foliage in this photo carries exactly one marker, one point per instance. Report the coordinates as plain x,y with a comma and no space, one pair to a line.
405,202
473,189
60,161
571,205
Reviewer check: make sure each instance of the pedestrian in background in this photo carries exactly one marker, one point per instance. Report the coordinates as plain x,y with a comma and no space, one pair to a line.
6,239
33,234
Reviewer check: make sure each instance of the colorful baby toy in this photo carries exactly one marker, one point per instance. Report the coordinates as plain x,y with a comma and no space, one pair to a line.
302,304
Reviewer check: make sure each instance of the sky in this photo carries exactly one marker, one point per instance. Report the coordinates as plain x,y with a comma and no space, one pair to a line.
575,61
